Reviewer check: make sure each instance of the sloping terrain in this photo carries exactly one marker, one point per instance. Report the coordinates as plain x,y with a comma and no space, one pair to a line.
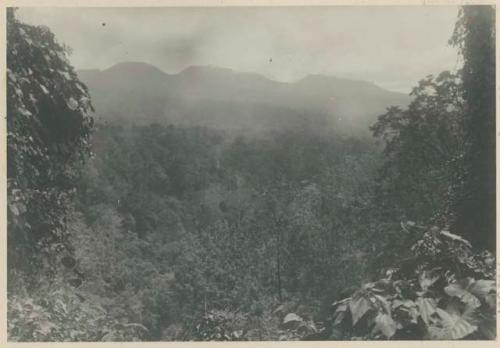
221,98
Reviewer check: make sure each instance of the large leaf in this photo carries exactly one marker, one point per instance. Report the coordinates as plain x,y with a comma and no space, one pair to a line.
426,280
291,320
455,325
491,301
427,307
455,238
385,324
342,304
340,311
405,303
384,303
482,287
359,306
290,317
338,318
458,290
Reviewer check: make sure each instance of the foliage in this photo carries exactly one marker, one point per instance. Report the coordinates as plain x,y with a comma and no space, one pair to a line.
440,151
187,233
58,313
439,167
422,147
474,195
443,292
225,325
162,254
219,326
48,126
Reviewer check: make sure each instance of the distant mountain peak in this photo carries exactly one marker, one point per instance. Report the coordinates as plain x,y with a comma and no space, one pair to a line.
135,67
222,98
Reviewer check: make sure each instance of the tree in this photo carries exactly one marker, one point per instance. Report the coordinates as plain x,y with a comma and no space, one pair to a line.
474,204
48,129
422,145
440,152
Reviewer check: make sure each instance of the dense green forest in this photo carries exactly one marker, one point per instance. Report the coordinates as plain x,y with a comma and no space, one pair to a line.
120,231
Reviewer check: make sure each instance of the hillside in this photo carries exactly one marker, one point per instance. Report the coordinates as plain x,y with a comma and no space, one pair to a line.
239,223
224,99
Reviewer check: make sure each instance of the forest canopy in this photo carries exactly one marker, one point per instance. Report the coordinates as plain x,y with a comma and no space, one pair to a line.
128,232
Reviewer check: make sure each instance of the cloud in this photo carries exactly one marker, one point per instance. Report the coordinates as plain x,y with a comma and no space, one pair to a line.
391,46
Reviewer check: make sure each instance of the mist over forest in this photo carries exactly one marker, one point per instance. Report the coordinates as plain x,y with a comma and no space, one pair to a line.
218,205
244,103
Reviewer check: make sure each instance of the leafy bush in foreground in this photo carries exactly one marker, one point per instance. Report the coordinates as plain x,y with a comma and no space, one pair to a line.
443,292
58,313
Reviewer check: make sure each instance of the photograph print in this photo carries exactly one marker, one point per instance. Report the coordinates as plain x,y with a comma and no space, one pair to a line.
300,173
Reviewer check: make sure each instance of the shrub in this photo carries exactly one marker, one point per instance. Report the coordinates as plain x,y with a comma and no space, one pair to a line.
58,313
444,292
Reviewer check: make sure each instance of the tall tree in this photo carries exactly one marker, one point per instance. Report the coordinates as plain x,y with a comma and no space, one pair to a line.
474,204
48,129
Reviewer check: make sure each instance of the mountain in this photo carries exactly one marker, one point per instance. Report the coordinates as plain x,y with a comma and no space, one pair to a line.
234,101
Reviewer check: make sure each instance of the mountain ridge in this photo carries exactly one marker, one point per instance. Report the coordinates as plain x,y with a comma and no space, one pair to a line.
226,99
229,70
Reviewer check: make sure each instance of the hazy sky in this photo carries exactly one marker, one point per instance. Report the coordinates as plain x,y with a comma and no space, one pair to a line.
391,46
